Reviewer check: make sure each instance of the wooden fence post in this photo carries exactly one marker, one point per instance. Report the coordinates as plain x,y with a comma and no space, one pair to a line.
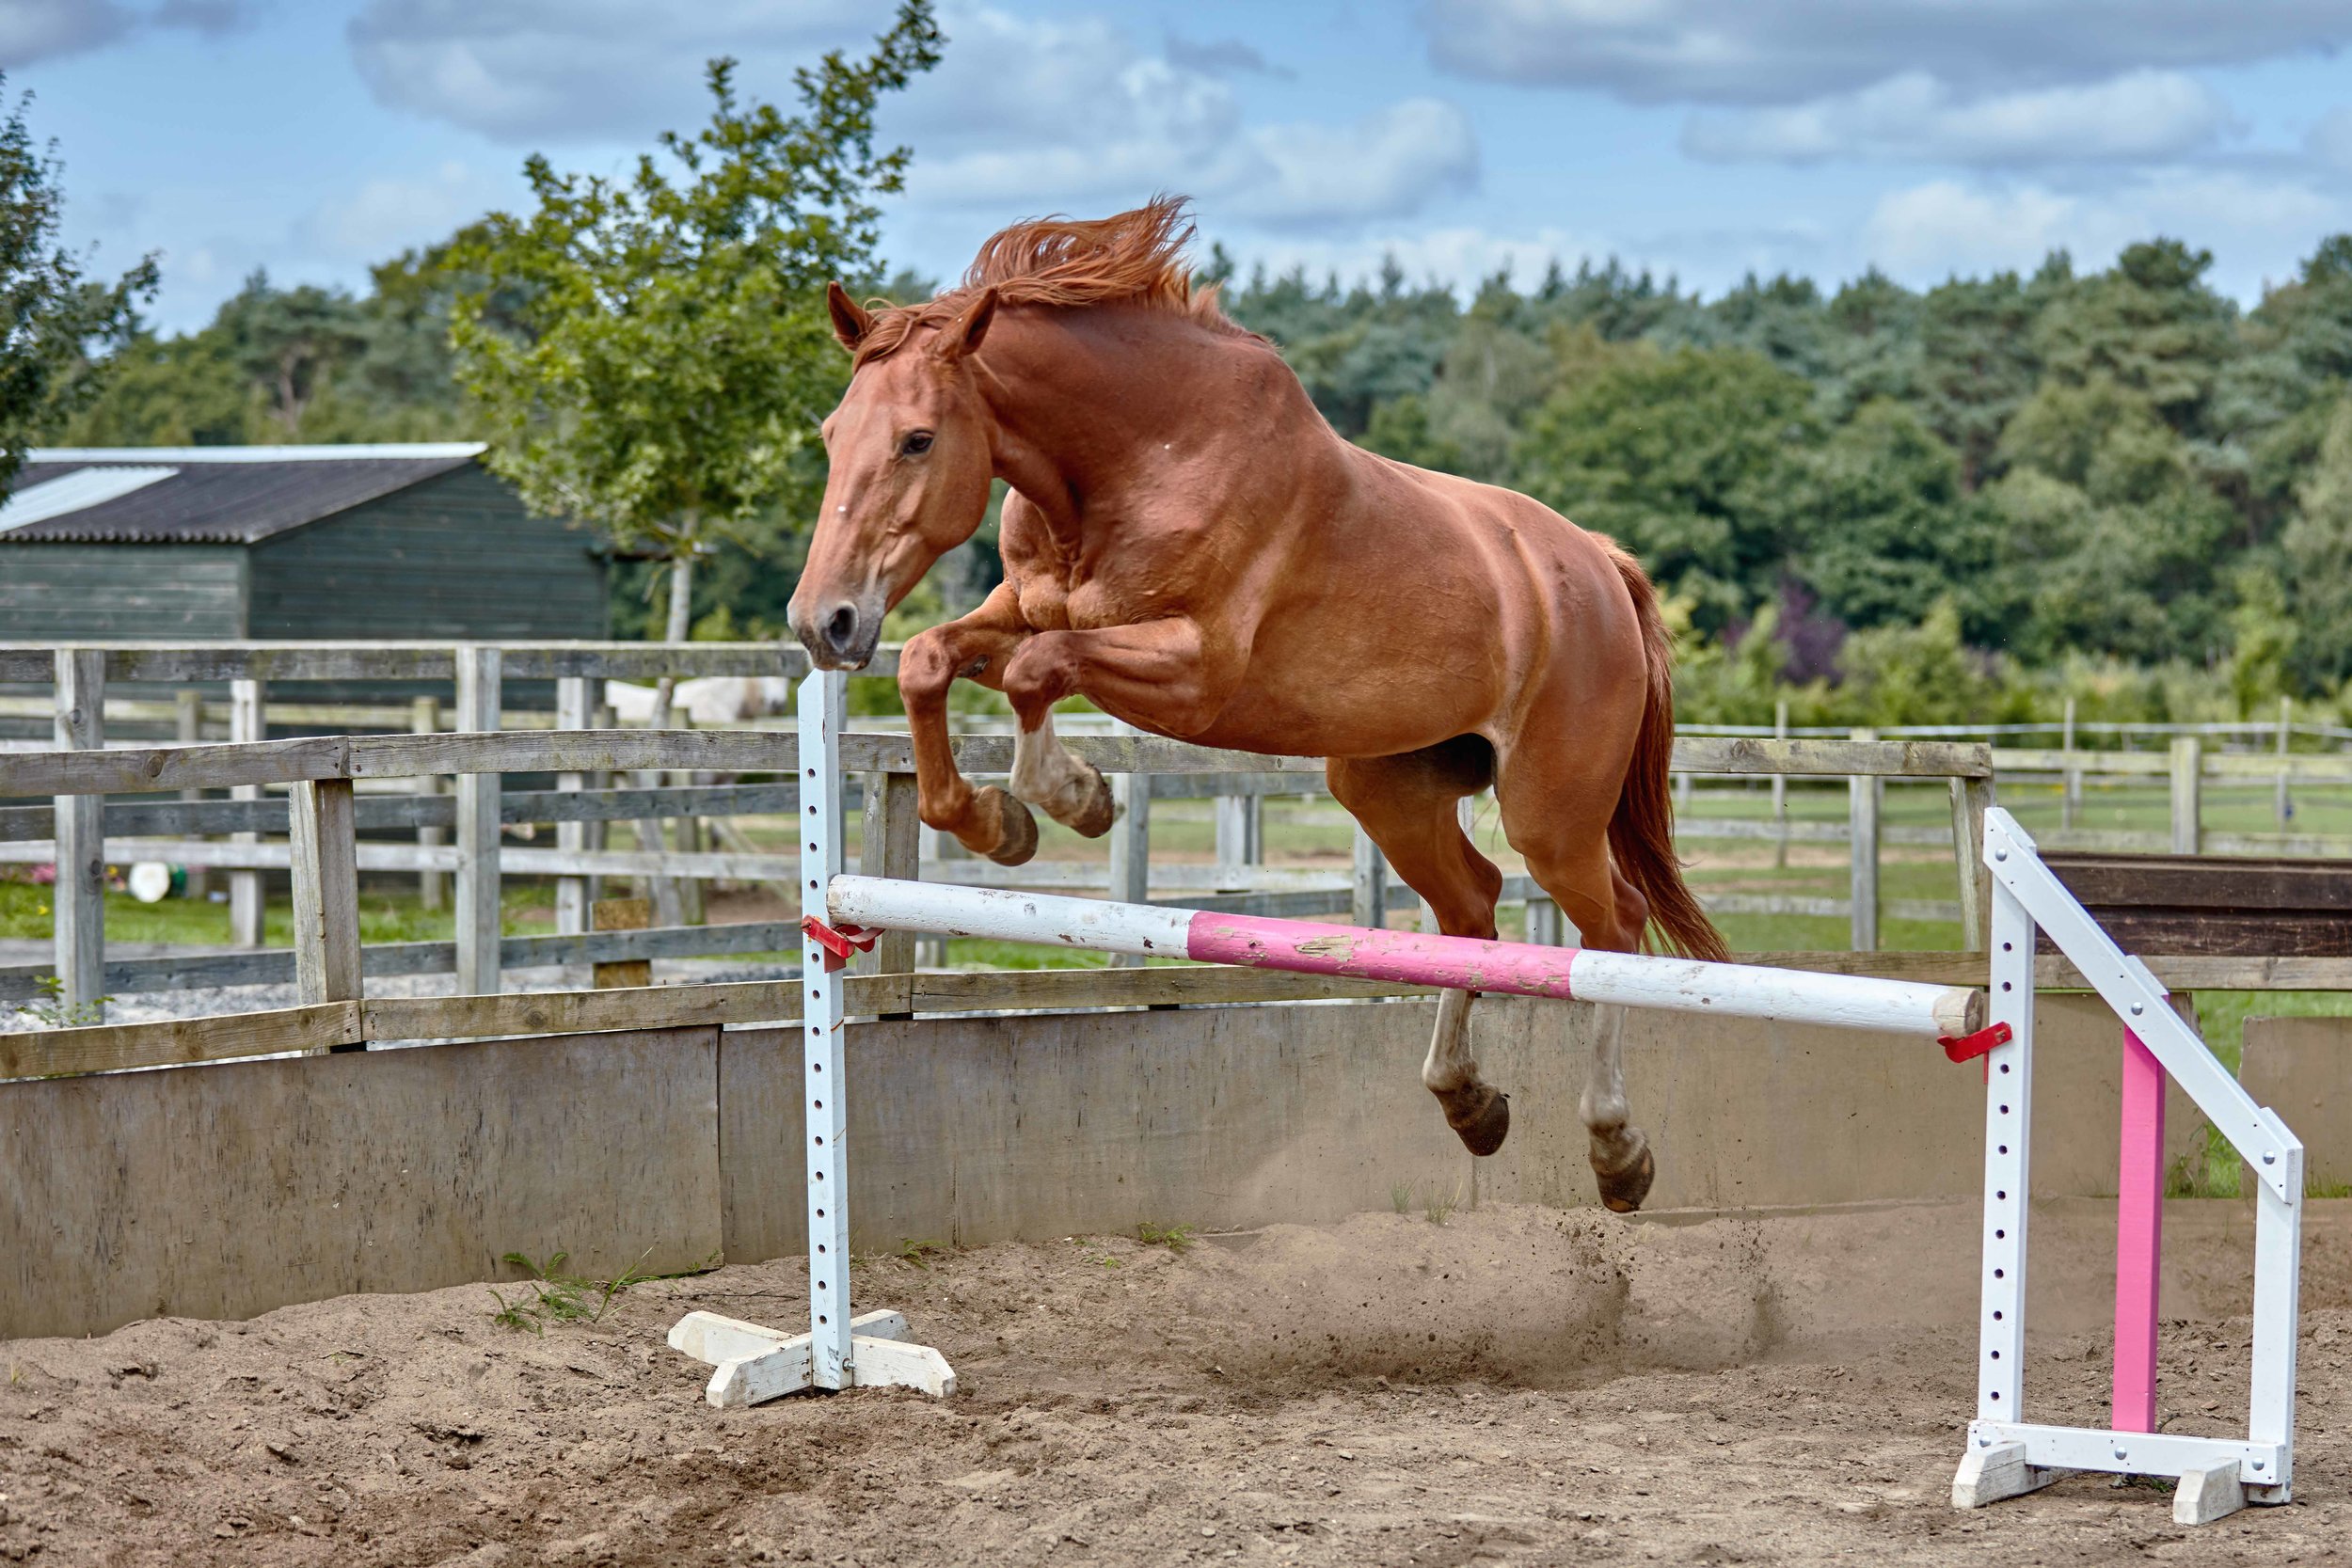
2072,798
424,718
1367,903
1240,835
1131,844
890,846
1780,789
188,706
478,672
247,721
2283,808
1862,810
575,703
79,899
324,857
688,832
1970,796
1544,924
2188,788
621,914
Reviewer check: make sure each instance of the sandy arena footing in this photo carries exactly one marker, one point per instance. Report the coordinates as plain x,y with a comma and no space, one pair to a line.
1512,1384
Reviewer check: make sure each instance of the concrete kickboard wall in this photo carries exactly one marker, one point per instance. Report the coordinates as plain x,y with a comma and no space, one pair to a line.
227,1190
980,1130
224,1191
2302,1069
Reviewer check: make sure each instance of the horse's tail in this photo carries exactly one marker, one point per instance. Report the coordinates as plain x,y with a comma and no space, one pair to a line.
1642,833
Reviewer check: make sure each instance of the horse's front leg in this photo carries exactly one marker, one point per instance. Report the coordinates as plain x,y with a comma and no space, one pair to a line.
1159,669
980,647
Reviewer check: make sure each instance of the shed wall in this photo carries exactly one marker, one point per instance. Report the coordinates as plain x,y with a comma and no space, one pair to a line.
458,556
120,593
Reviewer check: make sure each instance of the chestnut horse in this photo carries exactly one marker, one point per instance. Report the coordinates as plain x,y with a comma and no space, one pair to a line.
1189,546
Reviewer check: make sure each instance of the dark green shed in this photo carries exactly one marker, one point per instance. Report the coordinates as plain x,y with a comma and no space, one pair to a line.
396,541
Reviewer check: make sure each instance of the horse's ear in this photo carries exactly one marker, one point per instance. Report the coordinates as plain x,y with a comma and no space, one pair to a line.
851,321
962,336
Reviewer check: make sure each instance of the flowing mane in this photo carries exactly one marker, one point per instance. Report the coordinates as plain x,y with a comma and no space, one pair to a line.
1134,257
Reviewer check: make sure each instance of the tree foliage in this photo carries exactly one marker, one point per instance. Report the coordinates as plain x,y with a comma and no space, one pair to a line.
652,352
58,327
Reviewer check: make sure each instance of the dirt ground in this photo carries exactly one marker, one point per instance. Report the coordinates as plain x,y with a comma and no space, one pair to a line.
1508,1385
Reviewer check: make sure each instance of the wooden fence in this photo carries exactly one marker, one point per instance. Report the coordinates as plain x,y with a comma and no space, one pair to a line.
323,811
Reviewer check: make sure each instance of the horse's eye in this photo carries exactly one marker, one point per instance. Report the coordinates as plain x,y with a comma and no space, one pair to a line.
914,443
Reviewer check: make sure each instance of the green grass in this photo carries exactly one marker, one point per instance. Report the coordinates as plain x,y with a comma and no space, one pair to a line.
384,915
1176,1238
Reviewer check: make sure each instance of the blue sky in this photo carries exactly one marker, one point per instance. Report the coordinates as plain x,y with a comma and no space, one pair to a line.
1700,137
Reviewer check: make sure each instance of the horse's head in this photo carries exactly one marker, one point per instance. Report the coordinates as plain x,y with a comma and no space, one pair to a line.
910,465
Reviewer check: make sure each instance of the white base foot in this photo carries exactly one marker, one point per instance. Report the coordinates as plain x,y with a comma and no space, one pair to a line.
756,1364
1988,1475
2205,1495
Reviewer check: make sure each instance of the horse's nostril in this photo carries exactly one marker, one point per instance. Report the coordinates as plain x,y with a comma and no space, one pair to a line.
840,626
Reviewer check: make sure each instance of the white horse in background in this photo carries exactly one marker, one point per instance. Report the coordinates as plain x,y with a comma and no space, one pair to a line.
711,701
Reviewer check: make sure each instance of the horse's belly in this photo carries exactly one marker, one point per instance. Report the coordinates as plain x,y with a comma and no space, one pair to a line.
1358,718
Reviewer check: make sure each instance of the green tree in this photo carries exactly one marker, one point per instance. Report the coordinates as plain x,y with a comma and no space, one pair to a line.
1690,459
1884,529
654,352
1977,365
276,365
2317,545
1922,674
58,328
2151,324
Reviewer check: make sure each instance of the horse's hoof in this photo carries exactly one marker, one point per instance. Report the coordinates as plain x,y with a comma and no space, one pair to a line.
1016,830
1623,1189
1097,811
1480,1116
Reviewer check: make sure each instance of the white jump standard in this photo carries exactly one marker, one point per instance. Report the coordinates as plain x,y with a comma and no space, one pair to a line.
2005,1456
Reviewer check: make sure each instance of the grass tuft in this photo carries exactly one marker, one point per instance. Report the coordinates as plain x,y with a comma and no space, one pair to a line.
1176,1238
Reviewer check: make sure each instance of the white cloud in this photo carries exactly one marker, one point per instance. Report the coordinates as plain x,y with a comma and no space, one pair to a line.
2330,140
2146,114
1456,256
1029,113
1926,233
1388,165
384,216
1751,52
34,30
1041,114
525,70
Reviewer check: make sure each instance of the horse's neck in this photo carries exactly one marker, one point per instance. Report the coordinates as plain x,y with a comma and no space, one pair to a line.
1085,409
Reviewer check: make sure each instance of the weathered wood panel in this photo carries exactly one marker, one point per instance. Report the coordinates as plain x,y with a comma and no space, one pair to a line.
457,556
2190,904
160,819
114,592
274,966
228,1191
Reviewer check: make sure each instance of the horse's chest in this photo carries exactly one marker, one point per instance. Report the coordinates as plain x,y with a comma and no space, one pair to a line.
1045,603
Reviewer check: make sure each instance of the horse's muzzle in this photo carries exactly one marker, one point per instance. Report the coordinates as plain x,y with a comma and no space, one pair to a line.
840,638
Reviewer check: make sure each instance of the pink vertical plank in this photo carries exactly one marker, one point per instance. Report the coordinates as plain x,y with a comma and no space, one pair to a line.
2138,1237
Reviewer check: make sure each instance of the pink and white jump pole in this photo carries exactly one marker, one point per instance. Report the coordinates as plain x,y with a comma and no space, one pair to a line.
1407,958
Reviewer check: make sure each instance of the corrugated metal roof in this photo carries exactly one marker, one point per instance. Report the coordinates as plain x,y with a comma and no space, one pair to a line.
76,491
223,494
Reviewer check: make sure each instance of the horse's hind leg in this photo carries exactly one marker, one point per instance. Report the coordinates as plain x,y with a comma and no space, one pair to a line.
1407,804
1557,817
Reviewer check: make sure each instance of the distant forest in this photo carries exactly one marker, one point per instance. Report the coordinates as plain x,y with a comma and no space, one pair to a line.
1886,505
